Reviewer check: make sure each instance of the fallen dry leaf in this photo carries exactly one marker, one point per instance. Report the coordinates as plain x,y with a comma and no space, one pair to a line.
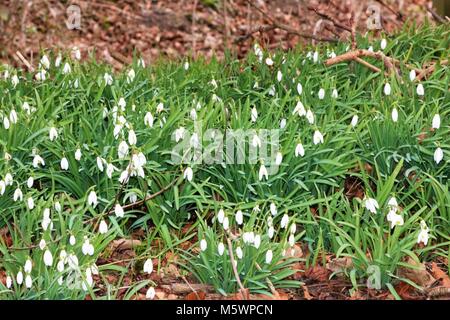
199,295
417,273
440,275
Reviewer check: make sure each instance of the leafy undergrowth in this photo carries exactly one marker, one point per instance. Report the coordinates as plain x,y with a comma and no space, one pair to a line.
355,204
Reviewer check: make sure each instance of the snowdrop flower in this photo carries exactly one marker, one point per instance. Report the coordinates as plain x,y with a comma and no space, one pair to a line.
256,141
269,256
393,204
132,139
291,240
160,107
15,80
53,134
321,94
60,266
195,141
30,203
87,248
6,123
203,245
76,53
226,223
58,61
103,227
75,83
122,151
371,205
239,253
108,79
239,217
436,123
42,244
387,89
282,123
394,114
150,294
423,234
19,278
354,121
420,90
66,68
315,57
273,209
278,158
412,75
186,65
57,206
7,156
438,155
92,199
370,49
18,195
100,164
299,109
257,241
263,172
179,134
299,88
64,163
28,281
221,248
37,160
110,168
220,216
72,240
118,211
72,261
271,232
28,266
383,44
284,221
131,75
2,187
148,119
13,116
45,62
299,150
395,219
78,154
9,179
310,116
8,282
48,258
124,176
272,91
318,137
248,237
188,174
254,114
269,61
279,76
334,94
193,114
148,266
41,75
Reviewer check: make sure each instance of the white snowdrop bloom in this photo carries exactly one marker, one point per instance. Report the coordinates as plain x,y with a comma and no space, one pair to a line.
394,114
310,116
271,232
118,211
269,256
412,75
423,234
45,62
195,141
72,261
7,156
318,137
284,221
334,94
354,121
89,279
18,195
371,205
221,248
87,248
60,281
94,269
438,155
332,55
110,168
76,53
272,91
15,80
263,173
420,90
160,107
63,256
394,218
257,241
42,244
148,119
282,123
30,182
254,114
383,44
76,83
150,294
436,123
256,141
13,116
370,49
64,163
37,160
92,199
269,61
188,174
393,204
278,158
299,109
239,216
220,216
132,139
293,228
299,88
2,187
57,206
78,154
66,68
299,150
186,65
315,57
28,281
28,266
60,266
131,75
179,134
226,223
273,209
58,61
122,151
291,240
100,166
9,179
6,74
239,253
321,94
72,240
279,76
30,203
124,176
53,134
387,89
19,278
41,75
8,282
6,123
103,227
148,266
193,114
214,83
248,237
203,245
108,79
48,258
141,63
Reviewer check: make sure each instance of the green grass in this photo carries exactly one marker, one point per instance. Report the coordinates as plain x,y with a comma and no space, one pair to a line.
74,103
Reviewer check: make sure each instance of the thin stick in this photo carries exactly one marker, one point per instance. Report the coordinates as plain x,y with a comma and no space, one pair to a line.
24,61
233,265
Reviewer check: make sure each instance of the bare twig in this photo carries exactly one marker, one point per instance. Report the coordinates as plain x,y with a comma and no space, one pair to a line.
236,273
429,70
330,18
397,13
24,61
435,15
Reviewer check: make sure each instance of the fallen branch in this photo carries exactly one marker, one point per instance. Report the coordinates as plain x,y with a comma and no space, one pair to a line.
330,18
397,13
429,70
435,15
24,61
243,291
